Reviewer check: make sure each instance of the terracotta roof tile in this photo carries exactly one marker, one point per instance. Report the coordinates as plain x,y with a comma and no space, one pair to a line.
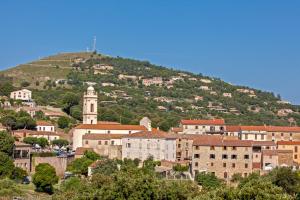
283,129
231,128
264,143
107,122
203,122
288,143
214,140
253,128
43,123
151,134
102,136
111,127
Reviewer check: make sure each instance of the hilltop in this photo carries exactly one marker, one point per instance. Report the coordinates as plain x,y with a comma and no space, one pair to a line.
129,89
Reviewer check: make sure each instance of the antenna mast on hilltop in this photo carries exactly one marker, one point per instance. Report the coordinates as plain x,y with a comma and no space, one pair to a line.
94,44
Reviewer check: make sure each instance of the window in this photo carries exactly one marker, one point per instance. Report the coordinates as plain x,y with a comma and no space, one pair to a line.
112,142
262,137
224,156
108,132
196,164
233,148
212,164
197,147
212,156
196,127
246,156
128,145
92,107
246,136
224,148
106,142
233,165
296,156
233,156
273,134
245,174
255,136
99,142
296,149
86,142
213,173
281,134
129,132
225,175
224,164
196,156
246,165
179,146
212,148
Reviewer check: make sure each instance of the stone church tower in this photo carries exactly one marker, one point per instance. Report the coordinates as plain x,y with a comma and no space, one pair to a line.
90,106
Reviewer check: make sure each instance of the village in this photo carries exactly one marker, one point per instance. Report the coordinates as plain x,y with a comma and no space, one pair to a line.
200,145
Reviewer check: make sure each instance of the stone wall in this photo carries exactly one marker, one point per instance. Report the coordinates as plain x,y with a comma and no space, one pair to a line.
59,163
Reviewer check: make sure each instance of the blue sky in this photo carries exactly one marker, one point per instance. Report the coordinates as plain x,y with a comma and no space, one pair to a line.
254,43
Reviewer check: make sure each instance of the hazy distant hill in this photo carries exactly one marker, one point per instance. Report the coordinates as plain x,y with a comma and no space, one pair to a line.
123,97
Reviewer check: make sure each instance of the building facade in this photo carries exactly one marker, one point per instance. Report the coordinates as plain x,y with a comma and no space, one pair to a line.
145,144
21,156
223,158
90,102
212,126
23,95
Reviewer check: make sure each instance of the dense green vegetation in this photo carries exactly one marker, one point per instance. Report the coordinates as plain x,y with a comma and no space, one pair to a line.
128,100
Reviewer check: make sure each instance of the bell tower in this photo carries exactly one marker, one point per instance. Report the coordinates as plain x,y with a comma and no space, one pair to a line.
90,106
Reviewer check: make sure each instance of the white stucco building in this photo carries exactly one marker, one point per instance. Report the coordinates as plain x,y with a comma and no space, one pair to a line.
160,145
24,95
45,126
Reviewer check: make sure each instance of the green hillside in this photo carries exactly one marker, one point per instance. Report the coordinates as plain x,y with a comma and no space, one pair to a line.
125,99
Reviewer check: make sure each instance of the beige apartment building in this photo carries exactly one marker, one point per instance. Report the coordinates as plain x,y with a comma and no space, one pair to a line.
221,157
255,133
283,133
292,146
23,95
142,145
109,145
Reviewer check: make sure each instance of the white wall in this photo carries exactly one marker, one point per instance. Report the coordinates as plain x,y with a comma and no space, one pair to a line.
45,128
78,133
200,129
141,148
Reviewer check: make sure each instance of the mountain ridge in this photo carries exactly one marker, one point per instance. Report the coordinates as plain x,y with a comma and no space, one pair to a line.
134,88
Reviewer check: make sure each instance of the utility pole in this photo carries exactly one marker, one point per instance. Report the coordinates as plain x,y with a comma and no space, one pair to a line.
94,44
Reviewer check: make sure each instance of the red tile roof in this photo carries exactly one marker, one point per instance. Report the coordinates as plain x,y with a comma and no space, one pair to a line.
215,140
288,143
203,122
177,129
111,127
107,122
102,136
283,129
253,128
263,143
43,123
231,128
151,134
